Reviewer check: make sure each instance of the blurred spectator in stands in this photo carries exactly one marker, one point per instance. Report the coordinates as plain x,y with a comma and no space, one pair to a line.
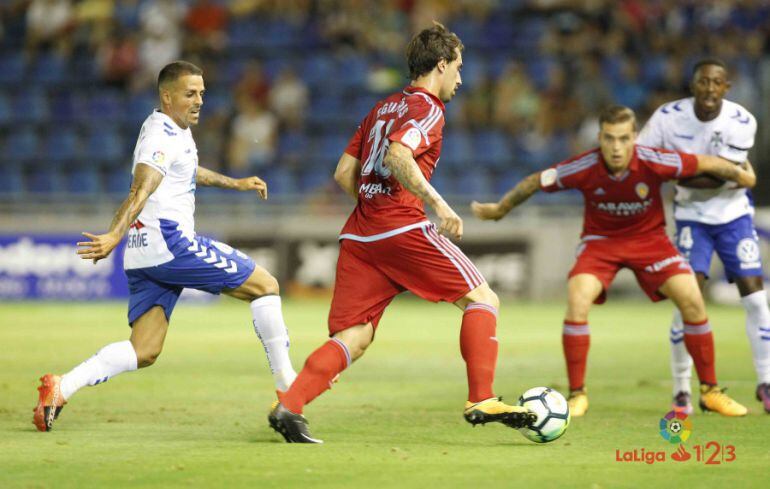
49,26
628,89
591,86
161,41
516,102
478,105
253,137
94,19
253,84
118,58
127,14
206,21
289,99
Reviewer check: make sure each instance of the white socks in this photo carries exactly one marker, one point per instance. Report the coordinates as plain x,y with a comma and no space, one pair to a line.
758,331
681,363
271,330
108,362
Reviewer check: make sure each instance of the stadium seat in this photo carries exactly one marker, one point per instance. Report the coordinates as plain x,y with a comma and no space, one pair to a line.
64,107
12,68
491,149
83,180
6,114
105,143
61,146
105,106
11,182
49,69
279,180
457,151
140,105
118,181
30,106
21,146
43,179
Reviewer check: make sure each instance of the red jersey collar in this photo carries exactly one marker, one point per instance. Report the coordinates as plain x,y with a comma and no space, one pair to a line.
411,89
633,165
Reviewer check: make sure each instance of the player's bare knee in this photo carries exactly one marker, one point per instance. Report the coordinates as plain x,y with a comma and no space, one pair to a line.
146,357
268,286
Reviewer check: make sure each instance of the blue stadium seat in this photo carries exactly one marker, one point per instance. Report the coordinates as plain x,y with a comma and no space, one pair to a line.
457,151
21,146
83,180
279,180
293,146
140,106
12,68
49,69
44,179
475,184
11,182
491,149
105,105
355,69
64,107
61,146
6,114
318,69
506,180
30,106
242,34
310,180
105,144
118,181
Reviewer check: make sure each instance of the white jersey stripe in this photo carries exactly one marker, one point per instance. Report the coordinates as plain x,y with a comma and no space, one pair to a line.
388,234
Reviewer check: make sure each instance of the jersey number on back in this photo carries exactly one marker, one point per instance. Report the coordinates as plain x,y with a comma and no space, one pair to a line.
380,144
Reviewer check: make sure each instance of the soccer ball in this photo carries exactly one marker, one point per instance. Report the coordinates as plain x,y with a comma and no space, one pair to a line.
552,414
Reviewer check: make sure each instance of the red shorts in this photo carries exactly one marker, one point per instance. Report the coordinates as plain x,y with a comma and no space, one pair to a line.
371,274
652,258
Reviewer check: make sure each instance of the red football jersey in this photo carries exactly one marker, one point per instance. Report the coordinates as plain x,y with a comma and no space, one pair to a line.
415,118
626,205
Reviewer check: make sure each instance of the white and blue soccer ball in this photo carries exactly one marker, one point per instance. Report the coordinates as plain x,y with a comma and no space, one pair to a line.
552,413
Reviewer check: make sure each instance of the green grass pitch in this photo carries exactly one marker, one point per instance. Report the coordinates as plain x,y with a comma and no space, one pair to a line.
198,417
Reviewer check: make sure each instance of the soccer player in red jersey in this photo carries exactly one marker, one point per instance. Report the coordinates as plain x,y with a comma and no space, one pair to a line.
388,245
624,226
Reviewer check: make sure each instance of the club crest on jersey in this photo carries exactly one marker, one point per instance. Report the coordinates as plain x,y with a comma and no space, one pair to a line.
748,253
642,190
158,157
716,139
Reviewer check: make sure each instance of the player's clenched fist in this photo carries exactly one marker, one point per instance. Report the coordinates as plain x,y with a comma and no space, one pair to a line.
253,183
451,224
488,212
99,247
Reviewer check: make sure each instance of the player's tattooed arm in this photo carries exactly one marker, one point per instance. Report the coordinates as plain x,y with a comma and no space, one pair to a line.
727,170
517,195
346,174
403,167
146,180
210,178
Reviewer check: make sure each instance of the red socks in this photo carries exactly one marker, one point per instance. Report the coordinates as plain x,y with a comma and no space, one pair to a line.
317,374
700,345
478,345
576,339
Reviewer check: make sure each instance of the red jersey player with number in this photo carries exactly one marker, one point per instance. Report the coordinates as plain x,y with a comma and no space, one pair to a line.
624,226
388,245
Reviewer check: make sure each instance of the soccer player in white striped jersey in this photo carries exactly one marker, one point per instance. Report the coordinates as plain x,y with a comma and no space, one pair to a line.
164,255
714,216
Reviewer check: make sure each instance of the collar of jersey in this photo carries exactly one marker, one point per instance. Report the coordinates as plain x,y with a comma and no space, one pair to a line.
168,119
410,89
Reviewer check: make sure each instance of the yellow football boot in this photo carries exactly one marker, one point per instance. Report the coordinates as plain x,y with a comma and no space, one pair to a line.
494,410
713,398
578,402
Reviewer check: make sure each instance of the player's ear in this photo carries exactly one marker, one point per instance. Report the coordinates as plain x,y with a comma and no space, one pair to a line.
442,64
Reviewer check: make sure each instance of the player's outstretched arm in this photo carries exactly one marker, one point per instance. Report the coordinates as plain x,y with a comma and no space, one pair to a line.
346,174
146,180
210,178
517,195
403,167
727,170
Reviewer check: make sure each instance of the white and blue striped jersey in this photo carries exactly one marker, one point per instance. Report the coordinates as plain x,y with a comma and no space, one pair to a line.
730,135
171,150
